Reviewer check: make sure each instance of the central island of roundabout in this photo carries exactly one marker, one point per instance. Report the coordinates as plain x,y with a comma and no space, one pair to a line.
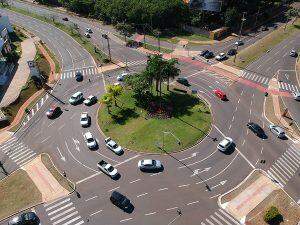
146,114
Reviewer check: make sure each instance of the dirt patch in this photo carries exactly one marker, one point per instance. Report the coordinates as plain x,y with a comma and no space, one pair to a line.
228,197
17,192
287,208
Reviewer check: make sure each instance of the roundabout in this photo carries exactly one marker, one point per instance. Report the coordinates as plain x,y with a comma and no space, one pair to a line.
141,128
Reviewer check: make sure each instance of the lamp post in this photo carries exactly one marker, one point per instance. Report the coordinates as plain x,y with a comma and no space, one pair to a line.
179,143
105,36
240,32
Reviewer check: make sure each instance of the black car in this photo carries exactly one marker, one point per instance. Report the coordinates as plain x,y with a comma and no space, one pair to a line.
28,218
53,112
209,55
255,128
203,52
65,19
183,81
78,76
231,52
120,200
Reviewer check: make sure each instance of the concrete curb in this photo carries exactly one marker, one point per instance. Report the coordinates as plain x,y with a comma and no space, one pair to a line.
157,154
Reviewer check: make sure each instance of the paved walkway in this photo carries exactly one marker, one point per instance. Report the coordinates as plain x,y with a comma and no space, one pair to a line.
248,199
21,76
44,180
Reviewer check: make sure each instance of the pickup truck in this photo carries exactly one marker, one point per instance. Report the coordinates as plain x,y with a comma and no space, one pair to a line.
107,169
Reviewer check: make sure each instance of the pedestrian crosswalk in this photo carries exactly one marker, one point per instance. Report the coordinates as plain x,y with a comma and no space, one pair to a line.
137,62
288,87
85,71
220,217
284,168
254,77
17,151
63,212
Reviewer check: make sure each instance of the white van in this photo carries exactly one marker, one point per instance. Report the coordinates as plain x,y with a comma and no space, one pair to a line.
76,98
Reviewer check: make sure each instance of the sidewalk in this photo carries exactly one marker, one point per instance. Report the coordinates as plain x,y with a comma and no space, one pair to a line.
44,180
21,76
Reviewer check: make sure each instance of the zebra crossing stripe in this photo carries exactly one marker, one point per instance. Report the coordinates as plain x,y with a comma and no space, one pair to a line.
63,213
281,174
291,159
66,217
283,170
18,158
295,150
217,221
228,216
295,155
27,158
222,218
259,79
58,204
281,161
19,154
277,177
209,222
267,80
284,159
63,207
72,220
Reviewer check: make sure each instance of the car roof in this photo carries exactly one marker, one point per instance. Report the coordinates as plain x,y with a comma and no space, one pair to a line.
111,142
84,114
279,129
148,161
76,94
224,142
88,135
117,195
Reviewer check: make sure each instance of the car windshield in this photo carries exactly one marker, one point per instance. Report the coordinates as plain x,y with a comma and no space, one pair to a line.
83,118
115,145
110,169
90,140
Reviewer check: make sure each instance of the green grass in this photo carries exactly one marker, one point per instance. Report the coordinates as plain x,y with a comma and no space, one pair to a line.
155,48
56,174
17,192
42,64
57,66
195,37
191,121
253,52
27,91
99,56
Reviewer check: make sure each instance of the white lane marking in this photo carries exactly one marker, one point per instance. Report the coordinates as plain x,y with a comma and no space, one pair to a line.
111,190
194,154
149,214
46,139
61,155
184,185
131,182
91,198
163,189
94,213
180,167
220,184
172,208
192,203
125,220
237,149
215,196
232,119
51,124
155,174
138,196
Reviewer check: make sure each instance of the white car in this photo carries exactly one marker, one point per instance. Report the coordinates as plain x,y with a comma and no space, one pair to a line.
149,165
76,98
221,56
113,146
239,42
89,30
296,96
85,119
293,53
90,100
90,140
107,169
278,131
225,144
122,76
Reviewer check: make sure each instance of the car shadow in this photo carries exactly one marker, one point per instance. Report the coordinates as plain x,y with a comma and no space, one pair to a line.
284,138
154,171
117,177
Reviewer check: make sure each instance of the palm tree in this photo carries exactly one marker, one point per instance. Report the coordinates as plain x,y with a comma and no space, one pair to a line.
114,91
107,100
170,71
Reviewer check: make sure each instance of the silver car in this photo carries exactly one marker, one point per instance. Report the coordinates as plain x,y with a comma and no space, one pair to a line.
113,146
149,165
296,96
225,144
278,131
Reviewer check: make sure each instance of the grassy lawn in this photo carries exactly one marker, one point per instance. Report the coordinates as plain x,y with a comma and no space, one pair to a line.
57,66
99,56
132,128
253,52
61,180
195,37
42,63
155,48
17,192
27,91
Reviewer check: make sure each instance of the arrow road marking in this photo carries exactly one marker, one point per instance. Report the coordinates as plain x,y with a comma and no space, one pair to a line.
61,156
192,156
196,172
220,184
76,143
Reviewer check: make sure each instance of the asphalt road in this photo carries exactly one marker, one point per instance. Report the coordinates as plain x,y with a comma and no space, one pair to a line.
156,197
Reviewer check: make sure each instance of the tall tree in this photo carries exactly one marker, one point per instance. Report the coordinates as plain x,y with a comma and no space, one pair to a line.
170,71
114,91
107,100
125,29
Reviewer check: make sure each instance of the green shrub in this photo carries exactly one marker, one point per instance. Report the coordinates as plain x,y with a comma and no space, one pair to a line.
272,215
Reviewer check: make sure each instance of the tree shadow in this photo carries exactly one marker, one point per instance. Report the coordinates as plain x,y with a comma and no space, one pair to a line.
122,115
277,220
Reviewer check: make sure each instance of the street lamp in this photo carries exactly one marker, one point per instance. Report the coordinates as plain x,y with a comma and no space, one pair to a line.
179,143
240,32
105,36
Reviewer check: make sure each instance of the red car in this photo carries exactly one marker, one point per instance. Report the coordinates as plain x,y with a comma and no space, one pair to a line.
220,94
53,112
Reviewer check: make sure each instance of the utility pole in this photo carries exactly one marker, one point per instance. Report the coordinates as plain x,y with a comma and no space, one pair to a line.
240,33
257,14
105,36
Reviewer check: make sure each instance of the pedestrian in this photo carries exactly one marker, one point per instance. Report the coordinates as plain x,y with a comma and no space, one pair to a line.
64,174
89,80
